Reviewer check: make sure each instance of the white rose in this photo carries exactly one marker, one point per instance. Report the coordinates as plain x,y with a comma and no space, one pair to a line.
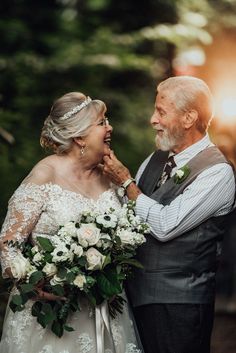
37,258
30,269
124,222
139,239
35,249
19,266
79,281
77,249
69,229
95,259
49,269
126,237
88,234
56,280
180,173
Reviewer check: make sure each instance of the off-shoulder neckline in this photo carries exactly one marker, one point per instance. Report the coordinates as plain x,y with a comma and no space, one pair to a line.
51,184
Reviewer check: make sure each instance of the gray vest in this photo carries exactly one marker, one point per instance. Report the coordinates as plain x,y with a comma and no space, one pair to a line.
183,269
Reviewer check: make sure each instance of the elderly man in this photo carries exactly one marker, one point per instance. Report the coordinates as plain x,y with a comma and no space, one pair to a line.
183,191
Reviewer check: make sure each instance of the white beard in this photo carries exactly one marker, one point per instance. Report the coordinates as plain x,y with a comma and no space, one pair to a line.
168,141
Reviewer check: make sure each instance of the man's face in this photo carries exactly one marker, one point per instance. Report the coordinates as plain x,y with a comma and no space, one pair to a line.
166,120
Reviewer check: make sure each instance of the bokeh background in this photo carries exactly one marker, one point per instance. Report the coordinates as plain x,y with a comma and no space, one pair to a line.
116,51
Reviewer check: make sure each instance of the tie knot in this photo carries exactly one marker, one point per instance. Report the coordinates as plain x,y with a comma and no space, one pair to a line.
171,162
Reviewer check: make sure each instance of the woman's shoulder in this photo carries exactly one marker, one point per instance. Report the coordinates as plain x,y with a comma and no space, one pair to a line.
43,172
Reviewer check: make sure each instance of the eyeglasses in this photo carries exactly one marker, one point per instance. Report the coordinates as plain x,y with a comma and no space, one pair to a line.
103,122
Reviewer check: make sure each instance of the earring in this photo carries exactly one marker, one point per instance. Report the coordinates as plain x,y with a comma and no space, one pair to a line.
82,150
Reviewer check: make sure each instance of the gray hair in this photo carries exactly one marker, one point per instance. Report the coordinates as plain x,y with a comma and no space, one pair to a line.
190,93
58,133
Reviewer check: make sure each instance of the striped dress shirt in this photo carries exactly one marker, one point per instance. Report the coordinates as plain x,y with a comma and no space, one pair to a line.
211,194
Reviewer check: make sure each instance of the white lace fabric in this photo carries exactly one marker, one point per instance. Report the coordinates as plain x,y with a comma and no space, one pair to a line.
41,209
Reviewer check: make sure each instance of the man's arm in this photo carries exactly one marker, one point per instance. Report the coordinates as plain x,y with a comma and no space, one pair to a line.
118,174
211,194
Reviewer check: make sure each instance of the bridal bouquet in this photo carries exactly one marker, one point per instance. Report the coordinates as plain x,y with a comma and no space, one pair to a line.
92,257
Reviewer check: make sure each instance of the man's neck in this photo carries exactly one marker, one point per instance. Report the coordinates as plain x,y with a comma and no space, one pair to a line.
189,141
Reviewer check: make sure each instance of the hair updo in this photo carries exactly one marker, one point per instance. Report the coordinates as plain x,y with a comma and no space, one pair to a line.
57,133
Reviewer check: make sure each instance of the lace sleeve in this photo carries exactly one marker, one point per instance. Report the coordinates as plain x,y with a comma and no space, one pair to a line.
24,209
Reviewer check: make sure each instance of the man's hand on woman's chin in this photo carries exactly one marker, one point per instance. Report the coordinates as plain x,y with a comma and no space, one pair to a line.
115,170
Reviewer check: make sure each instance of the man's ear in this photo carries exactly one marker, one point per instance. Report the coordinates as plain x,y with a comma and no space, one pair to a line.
190,118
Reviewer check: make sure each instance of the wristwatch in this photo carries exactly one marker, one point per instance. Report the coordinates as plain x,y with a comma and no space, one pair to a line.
121,191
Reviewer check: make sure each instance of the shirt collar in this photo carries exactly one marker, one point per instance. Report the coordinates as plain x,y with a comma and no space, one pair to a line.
184,156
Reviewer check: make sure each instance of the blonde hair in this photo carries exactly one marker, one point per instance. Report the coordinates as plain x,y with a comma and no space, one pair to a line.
58,133
188,93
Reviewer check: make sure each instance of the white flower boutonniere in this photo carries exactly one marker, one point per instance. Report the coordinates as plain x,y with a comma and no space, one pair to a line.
181,174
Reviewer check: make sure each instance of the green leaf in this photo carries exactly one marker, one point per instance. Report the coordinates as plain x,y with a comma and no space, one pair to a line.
62,272
48,257
82,261
57,328
91,298
45,244
132,262
70,277
26,288
74,306
41,320
36,277
90,281
15,307
107,261
36,308
17,299
46,308
58,290
49,314
68,328
108,283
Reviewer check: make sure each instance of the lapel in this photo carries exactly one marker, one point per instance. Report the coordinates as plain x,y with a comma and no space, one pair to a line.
153,172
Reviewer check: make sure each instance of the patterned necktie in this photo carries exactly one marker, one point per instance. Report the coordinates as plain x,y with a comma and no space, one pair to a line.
170,164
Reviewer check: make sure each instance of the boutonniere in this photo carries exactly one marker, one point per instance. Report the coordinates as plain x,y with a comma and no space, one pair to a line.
181,174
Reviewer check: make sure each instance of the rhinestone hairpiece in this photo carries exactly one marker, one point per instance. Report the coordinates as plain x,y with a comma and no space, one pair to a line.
76,109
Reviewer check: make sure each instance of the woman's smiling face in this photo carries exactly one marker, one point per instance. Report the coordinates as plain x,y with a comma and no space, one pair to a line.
98,139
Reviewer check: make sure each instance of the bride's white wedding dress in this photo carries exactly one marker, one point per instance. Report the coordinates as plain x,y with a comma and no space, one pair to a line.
41,209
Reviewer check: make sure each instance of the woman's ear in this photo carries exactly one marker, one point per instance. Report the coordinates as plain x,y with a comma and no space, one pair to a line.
79,141
190,118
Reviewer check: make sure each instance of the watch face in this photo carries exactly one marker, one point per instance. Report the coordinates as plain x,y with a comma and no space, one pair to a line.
121,191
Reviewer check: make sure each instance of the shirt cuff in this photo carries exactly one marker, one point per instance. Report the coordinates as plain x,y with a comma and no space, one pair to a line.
143,205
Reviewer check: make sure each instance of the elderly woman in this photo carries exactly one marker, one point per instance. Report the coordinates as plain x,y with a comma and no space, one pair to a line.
57,190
